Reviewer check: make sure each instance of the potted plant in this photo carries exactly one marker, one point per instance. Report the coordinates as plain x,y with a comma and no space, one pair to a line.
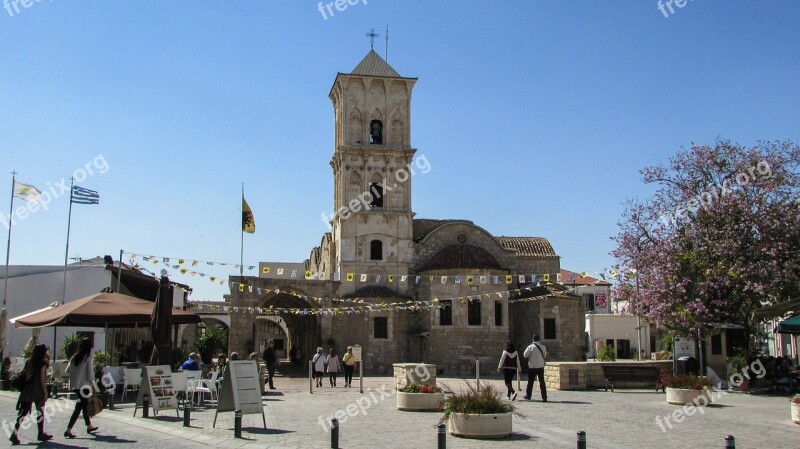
682,389
209,341
607,354
736,365
416,397
5,374
70,345
795,401
478,412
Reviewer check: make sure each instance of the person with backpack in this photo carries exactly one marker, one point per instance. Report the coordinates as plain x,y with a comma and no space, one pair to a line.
34,392
536,354
318,362
509,364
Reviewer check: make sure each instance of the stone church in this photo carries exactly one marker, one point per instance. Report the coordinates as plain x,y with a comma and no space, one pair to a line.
470,281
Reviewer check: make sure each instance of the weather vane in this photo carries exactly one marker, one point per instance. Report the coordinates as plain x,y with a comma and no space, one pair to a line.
372,35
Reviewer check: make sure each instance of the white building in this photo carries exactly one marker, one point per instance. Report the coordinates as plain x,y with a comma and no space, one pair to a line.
33,287
619,331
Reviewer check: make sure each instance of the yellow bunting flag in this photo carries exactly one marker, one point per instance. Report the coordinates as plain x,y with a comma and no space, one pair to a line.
509,279
350,277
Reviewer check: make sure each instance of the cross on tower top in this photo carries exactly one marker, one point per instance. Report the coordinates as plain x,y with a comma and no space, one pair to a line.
372,35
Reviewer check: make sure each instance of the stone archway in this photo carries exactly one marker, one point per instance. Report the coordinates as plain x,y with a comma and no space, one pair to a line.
302,329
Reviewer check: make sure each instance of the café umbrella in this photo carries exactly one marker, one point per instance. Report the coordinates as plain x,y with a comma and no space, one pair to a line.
101,310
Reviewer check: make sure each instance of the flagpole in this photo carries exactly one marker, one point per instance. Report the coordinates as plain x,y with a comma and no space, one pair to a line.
66,252
8,245
66,259
241,253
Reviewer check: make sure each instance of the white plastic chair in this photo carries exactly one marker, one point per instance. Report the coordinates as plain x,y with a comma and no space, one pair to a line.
117,374
133,378
197,388
179,385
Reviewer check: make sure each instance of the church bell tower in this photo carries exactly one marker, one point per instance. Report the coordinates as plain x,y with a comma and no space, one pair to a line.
372,170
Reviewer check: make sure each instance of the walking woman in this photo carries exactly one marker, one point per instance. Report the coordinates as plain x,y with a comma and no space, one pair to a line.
349,362
81,379
34,392
509,364
318,362
333,366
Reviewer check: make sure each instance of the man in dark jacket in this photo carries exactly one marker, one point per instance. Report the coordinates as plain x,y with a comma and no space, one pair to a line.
271,361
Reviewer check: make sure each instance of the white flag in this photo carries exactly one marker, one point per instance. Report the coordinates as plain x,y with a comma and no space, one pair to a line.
27,192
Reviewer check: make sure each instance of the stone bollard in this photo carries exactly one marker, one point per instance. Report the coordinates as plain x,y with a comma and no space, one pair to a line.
237,424
730,442
334,433
581,440
187,415
145,407
442,436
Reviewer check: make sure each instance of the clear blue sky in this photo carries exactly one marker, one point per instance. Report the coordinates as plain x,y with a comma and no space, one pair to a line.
535,116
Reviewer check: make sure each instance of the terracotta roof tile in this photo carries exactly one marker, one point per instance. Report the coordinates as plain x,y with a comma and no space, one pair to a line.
528,246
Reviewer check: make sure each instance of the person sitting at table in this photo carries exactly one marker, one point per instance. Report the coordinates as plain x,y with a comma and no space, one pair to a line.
222,362
192,363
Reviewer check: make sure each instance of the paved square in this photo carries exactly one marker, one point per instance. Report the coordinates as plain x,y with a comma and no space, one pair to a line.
624,419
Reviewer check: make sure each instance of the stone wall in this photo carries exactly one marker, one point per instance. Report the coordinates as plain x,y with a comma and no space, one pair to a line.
589,375
418,373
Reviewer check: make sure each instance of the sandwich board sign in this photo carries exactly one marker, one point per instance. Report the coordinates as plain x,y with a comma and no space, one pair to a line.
157,385
241,390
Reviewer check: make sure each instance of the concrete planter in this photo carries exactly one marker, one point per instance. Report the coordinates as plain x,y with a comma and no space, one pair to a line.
682,396
479,426
417,402
796,412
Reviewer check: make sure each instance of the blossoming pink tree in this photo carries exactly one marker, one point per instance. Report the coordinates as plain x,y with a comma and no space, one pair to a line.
719,238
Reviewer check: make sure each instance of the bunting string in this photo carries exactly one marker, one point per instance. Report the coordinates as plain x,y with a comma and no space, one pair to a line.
328,306
189,266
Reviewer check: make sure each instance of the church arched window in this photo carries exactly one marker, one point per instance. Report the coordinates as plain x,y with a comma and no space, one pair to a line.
376,250
376,191
376,132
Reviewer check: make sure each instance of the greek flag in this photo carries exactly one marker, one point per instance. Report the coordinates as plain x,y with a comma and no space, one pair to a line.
84,196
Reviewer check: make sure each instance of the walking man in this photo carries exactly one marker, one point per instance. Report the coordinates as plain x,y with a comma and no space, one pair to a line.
271,361
536,354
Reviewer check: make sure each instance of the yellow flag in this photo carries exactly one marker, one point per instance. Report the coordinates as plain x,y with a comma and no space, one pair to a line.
248,221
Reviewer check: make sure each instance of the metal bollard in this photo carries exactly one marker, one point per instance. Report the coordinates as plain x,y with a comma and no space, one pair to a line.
581,440
237,424
334,433
730,442
187,415
442,436
110,396
145,407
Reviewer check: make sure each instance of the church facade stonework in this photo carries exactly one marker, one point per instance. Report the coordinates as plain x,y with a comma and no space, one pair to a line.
375,241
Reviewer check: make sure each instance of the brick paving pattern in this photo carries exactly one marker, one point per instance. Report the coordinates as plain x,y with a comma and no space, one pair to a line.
625,419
